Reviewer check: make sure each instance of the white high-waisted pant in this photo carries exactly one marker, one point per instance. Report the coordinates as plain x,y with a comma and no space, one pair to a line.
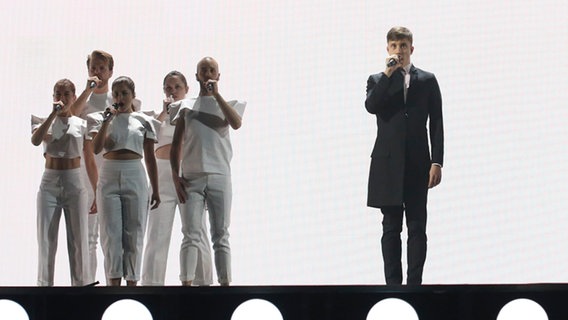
215,189
159,233
62,190
93,220
122,196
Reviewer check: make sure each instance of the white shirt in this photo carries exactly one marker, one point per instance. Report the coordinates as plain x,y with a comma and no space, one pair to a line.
406,73
206,149
96,102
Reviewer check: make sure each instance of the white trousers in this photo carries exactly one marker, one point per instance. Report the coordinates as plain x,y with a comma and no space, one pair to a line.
159,233
215,190
122,196
62,190
93,220
93,239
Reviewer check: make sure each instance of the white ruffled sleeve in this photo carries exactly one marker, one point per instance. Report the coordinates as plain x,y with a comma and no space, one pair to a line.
239,106
94,123
150,125
178,109
36,122
154,115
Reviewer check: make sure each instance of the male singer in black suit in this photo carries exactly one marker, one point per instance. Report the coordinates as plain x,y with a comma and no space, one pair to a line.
404,100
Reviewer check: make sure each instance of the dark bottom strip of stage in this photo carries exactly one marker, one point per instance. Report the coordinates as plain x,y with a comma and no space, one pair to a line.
294,302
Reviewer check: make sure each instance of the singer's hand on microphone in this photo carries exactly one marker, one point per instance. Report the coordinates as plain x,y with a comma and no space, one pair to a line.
58,106
211,86
392,63
167,102
93,82
107,115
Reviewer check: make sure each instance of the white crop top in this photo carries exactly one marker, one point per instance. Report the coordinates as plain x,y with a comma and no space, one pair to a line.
126,130
165,131
64,137
165,134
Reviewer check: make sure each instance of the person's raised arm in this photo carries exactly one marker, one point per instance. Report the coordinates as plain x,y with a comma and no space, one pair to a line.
79,105
99,141
378,85
39,134
165,106
231,115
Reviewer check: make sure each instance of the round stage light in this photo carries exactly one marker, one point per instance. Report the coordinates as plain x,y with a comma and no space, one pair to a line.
392,309
256,309
127,309
522,309
12,310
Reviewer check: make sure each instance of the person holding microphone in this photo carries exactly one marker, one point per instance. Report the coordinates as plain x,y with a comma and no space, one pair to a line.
126,137
62,186
201,146
160,221
408,154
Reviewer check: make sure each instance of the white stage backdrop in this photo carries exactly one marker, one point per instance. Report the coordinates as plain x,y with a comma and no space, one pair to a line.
301,157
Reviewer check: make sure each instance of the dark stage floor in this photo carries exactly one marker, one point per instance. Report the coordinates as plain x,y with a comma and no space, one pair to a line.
294,302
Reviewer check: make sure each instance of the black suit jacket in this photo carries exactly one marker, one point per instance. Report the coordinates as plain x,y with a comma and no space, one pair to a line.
402,135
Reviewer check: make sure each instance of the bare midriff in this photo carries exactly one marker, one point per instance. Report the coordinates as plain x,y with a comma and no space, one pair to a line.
163,152
62,163
122,154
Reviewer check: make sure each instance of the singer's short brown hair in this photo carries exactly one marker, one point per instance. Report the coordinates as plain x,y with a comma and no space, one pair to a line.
399,33
102,55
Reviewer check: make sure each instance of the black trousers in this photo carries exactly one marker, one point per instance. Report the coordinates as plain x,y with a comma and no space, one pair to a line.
414,209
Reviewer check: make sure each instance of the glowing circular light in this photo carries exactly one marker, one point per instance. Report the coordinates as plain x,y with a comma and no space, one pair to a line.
127,309
522,309
392,309
256,309
12,310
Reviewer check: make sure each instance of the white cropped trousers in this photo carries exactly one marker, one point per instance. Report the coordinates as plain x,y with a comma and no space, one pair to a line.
159,233
122,196
215,190
62,190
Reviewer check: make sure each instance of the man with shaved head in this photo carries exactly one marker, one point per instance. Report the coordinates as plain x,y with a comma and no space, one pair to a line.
201,143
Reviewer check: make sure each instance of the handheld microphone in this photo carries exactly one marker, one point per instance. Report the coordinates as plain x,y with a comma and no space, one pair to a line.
392,62
107,114
92,84
170,100
209,87
57,106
